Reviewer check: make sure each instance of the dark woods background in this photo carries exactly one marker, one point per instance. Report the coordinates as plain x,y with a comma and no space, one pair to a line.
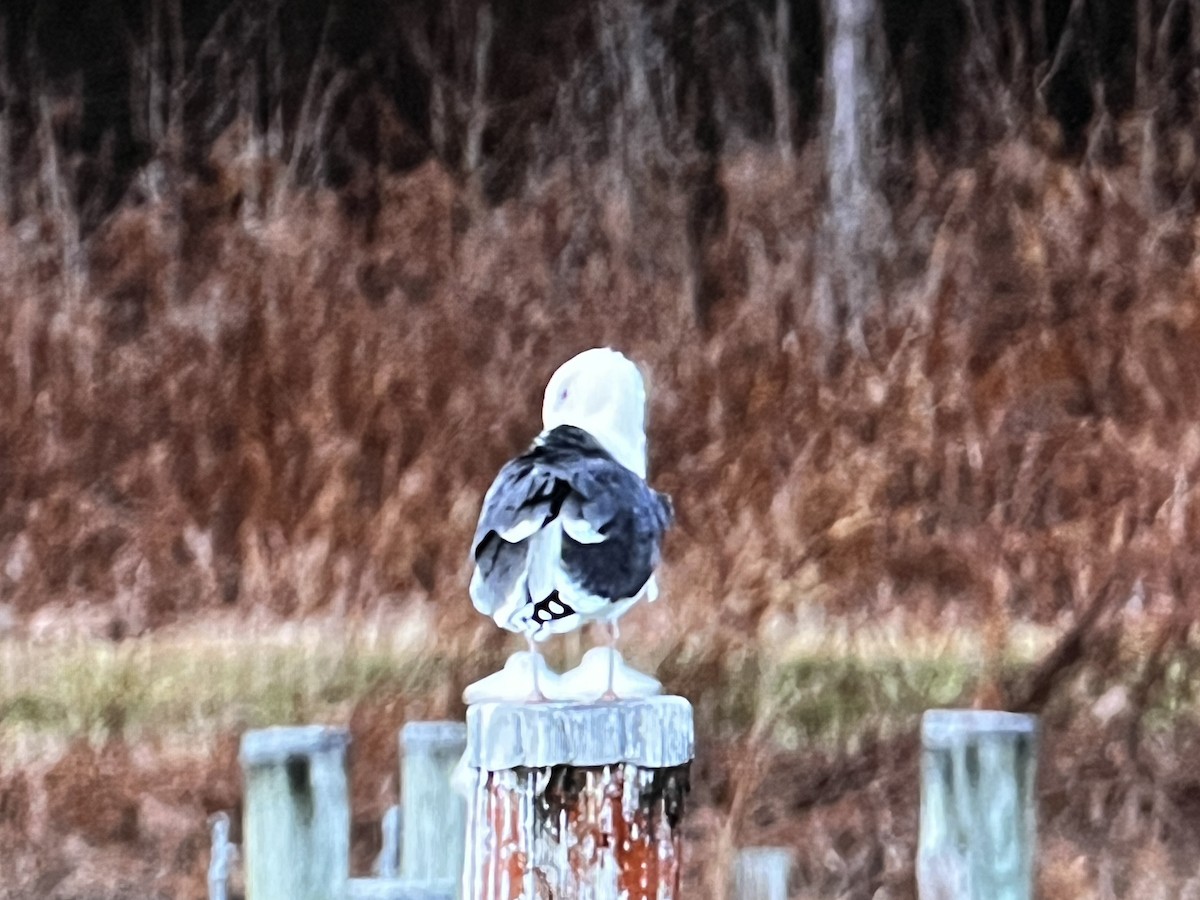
914,282
501,91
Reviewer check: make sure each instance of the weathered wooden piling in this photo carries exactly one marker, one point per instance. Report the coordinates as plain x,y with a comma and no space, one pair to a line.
575,801
222,856
761,873
296,825
978,808
387,863
434,816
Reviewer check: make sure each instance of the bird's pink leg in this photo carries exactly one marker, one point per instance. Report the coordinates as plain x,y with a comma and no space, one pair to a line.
610,695
536,696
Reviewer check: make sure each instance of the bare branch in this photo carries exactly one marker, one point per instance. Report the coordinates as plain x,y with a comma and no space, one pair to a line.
275,84
178,67
417,41
317,145
1037,28
252,150
984,59
1145,48
156,82
1194,37
1020,47
1162,38
775,47
6,100
58,190
307,119
229,43
1066,43
477,112
1070,650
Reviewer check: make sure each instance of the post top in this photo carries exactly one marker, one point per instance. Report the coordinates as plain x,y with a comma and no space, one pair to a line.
652,732
270,746
942,727
433,735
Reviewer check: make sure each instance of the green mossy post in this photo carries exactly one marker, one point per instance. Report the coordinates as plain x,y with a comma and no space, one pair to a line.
296,823
978,830
434,829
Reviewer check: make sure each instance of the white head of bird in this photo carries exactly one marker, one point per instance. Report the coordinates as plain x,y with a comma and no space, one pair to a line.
602,392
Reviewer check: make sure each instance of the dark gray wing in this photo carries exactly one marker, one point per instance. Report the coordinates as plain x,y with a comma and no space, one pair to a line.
565,529
630,516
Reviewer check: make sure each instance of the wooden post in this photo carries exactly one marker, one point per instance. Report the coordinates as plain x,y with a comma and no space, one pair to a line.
761,873
387,863
575,801
434,816
224,854
978,808
296,824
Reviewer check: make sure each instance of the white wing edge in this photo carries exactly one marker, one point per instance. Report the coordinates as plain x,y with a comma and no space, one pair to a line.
576,525
523,529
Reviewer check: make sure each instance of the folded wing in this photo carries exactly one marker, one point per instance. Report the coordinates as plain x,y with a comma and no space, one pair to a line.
566,534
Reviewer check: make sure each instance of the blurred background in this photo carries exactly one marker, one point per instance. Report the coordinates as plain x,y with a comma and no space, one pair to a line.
915,285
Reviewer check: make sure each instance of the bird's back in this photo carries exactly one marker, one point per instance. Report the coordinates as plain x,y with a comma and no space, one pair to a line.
565,533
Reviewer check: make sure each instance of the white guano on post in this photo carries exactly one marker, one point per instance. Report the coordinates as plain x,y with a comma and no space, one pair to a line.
761,873
296,825
978,830
434,815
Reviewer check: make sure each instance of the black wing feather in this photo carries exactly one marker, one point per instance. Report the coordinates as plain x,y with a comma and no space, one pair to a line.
531,490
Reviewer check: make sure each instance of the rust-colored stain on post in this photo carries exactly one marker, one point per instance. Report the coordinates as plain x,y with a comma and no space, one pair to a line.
577,801
505,852
580,833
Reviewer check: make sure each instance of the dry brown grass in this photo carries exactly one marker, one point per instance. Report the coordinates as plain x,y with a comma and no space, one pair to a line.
309,420
297,414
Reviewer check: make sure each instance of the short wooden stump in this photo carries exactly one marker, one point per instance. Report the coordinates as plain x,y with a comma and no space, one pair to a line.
296,823
978,833
574,801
